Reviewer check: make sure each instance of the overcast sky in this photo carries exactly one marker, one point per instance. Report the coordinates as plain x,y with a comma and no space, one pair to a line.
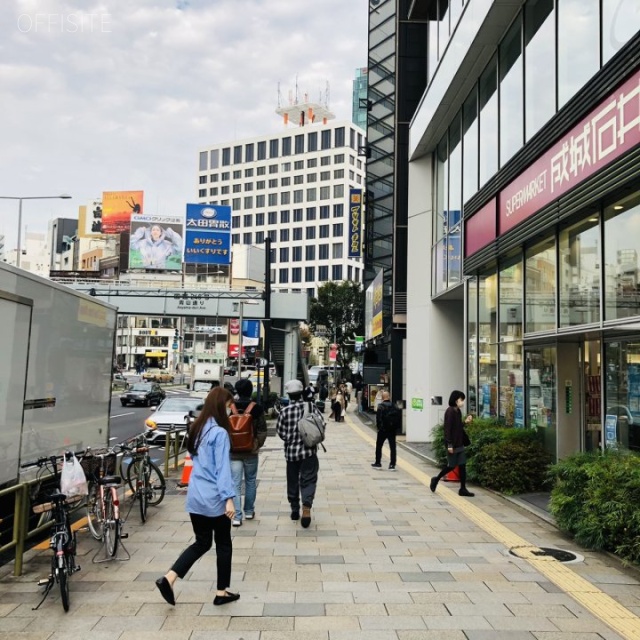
121,94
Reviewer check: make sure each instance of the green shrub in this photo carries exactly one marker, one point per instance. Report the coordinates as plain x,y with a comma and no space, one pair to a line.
478,426
596,499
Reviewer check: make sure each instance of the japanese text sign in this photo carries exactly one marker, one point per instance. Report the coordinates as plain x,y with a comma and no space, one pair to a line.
355,223
208,234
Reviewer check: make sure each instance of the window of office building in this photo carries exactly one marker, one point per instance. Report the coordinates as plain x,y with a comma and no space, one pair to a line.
339,134
296,252
284,235
248,186
262,150
325,193
247,220
285,166
323,252
284,217
237,188
442,190
540,278
338,210
283,276
225,175
202,193
338,158
298,196
247,238
285,197
285,182
311,213
273,183
202,165
235,238
325,161
619,25
352,175
274,148
621,250
299,143
261,171
487,345
511,88
323,231
349,272
236,204
540,64
324,175
579,270
296,274
259,237
297,215
213,177
259,219
312,141
214,156
286,146
272,199
248,202
338,230
488,105
578,48
336,250
338,191
298,179
324,212
284,254
226,156
310,252
273,217
273,236
273,168
237,154
336,272
326,139
310,233
311,163
312,177
470,145
213,191
260,200
203,180
309,274
248,152
311,194
323,273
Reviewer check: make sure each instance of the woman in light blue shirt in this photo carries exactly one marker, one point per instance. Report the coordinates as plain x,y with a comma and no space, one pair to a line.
209,497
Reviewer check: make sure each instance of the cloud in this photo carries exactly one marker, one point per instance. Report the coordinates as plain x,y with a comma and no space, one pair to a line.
104,96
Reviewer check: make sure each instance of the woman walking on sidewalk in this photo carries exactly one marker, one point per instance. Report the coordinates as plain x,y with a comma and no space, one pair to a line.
456,439
209,497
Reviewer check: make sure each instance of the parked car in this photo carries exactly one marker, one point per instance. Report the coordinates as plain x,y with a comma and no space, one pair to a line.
158,375
143,393
119,381
173,412
230,371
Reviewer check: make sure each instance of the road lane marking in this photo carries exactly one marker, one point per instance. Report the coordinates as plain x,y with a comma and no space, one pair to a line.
601,605
120,415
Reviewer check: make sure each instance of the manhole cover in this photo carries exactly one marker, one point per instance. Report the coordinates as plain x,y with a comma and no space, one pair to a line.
541,552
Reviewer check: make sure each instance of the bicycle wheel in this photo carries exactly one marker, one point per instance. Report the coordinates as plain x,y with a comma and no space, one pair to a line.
62,576
156,485
95,516
142,490
111,525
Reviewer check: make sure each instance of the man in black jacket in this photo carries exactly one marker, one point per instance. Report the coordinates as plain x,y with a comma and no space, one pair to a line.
387,419
246,464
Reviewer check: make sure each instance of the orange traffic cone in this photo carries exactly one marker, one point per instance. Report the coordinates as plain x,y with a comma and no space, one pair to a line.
453,475
186,471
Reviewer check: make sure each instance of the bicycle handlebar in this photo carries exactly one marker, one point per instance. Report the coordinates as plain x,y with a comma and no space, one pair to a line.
41,462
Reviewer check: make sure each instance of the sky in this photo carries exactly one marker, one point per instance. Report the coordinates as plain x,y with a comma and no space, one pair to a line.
122,94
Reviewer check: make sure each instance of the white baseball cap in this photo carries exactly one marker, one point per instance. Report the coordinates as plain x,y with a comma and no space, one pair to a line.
293,386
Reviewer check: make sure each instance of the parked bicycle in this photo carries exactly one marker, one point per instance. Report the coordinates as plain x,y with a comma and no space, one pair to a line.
63,539
103,503
145,480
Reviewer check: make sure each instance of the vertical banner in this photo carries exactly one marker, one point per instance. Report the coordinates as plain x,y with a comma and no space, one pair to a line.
355,223
117,209
250,333
376,311
208,234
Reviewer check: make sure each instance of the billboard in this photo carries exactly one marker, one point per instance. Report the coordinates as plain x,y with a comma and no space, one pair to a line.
355,223
117,209
208,234
373,307
250,333
90,219
156,243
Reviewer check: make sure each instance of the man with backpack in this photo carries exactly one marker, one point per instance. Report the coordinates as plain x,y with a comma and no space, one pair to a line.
387,420
297,422
248,433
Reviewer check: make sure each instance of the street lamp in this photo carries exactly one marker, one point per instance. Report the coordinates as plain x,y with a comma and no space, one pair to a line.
64,196
242,303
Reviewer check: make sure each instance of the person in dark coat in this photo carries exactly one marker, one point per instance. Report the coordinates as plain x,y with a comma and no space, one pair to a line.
456,439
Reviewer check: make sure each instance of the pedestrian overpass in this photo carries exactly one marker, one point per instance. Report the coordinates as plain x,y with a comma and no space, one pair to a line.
193,299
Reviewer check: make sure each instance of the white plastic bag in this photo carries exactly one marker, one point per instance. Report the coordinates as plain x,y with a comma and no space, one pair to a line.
72,479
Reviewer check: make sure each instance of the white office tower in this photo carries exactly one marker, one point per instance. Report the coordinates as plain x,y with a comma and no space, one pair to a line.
294,187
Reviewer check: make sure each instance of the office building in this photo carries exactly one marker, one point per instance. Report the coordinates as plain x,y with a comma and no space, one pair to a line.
359,107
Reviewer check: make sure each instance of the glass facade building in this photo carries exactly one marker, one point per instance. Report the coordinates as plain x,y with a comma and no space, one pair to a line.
523,164
359,106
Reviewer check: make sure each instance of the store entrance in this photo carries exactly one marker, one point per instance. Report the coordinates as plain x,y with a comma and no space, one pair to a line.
540,394
592,385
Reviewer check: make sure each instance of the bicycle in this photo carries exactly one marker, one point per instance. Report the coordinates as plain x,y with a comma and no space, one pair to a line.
144,478
103,504
63,539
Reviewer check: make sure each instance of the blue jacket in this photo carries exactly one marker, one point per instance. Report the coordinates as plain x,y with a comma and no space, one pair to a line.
210,484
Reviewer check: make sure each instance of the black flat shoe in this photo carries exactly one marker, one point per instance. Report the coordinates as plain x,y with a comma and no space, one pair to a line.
230,597
465,493
166,590
433,484
295,515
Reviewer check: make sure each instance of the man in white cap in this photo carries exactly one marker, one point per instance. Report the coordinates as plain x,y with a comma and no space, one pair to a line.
302,461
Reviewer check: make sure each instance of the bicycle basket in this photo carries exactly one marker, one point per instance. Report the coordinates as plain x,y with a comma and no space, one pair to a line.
91,463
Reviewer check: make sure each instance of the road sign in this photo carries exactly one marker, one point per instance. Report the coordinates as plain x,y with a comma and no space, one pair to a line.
175,346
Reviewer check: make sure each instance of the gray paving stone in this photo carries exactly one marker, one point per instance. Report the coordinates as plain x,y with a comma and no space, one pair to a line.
297,609
427,576
320,559
499,635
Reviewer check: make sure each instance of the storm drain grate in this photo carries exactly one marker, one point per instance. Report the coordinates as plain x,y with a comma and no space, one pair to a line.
539,552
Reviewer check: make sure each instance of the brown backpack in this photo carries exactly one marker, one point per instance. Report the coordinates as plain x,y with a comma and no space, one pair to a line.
242,432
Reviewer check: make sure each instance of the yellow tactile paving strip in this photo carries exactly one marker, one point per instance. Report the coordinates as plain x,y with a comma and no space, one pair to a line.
604,607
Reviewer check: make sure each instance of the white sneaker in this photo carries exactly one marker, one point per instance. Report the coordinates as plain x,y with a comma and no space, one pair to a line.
249,516
236,523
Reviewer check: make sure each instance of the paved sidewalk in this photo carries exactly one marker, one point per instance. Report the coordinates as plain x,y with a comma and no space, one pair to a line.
383,559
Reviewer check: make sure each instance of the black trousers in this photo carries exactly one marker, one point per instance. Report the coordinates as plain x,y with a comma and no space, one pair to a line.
302,479
206,529
391,437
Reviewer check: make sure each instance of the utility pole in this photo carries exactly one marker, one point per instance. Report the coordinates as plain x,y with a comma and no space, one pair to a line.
267,317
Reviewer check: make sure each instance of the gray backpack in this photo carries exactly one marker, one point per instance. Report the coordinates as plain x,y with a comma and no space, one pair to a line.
311,427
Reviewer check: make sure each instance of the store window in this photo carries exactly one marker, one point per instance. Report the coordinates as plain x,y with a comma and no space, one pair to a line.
578,48
470,146
488,104
540,278
540,64
511,89
454,206
579,267
472,345
621,249
442,186
619,25
487,345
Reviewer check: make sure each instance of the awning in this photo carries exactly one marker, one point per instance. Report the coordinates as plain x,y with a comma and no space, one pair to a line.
155,354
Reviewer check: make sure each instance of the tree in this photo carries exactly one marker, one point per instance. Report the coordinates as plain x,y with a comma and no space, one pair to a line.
339,308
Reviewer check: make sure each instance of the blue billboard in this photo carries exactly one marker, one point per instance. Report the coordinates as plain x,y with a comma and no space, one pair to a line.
208,234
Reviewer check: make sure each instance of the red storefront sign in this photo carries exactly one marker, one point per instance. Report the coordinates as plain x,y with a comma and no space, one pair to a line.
610,130
480,229
235,348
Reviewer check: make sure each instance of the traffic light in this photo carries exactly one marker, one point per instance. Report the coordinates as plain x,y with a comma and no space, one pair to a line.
176,335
